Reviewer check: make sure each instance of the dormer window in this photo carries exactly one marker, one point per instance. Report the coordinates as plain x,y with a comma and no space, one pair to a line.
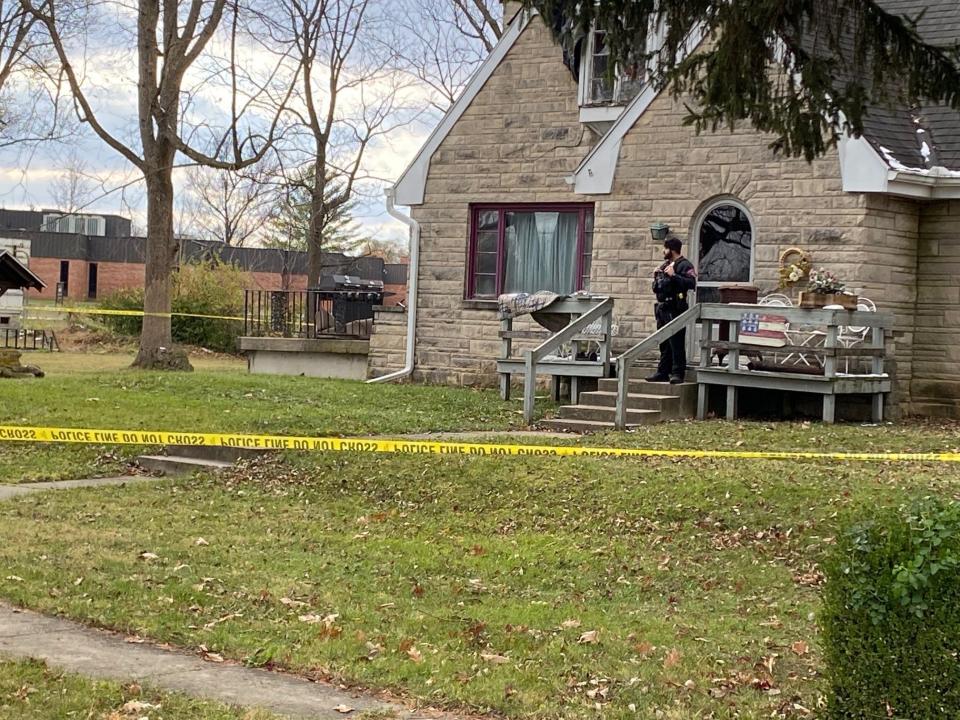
604,94
600,87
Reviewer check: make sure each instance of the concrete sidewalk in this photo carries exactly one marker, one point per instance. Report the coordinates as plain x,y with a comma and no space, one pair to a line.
12,491
105,655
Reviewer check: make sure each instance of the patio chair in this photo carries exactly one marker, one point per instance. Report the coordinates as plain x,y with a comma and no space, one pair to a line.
849,336
776,300
794,336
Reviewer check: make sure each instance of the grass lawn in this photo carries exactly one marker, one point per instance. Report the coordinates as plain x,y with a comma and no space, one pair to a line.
33,691
531,587
100,391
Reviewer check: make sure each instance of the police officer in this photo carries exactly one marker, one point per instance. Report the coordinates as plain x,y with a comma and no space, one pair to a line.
672,283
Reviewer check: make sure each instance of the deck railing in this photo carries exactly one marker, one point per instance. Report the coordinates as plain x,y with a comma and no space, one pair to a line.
306,314
819,334
826,326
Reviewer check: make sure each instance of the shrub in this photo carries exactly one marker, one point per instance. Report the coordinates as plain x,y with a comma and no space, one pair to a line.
891,616
201,289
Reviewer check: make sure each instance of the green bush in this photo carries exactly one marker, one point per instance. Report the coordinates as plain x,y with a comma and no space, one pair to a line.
891,616
202,289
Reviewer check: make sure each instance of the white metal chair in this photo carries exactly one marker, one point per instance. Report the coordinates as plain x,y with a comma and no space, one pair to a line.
849,336
783,301
776,300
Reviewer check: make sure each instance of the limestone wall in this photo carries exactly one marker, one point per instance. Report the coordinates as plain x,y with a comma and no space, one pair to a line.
935,388
522,138
517,142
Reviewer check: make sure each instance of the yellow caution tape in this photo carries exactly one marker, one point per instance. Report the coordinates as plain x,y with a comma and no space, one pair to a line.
128,313
14,433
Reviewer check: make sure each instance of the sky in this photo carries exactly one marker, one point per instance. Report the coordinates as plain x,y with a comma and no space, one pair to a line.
29,175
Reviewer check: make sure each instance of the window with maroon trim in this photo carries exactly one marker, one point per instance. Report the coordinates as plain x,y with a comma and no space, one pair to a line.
526,248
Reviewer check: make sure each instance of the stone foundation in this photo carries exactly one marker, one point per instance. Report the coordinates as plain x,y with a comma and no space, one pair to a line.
345,359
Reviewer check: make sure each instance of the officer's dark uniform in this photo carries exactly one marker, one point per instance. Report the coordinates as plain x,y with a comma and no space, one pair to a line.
672,300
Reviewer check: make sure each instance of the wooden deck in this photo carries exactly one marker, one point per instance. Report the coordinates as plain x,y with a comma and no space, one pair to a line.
825,324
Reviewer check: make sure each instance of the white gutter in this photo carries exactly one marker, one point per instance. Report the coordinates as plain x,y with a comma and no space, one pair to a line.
413,283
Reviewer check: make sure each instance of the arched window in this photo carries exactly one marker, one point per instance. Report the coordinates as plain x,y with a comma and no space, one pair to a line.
722,247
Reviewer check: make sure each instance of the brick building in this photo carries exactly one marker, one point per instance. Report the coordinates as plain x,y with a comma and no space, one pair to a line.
95,255
540,144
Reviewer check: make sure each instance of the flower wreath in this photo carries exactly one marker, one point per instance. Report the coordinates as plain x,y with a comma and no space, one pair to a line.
794,266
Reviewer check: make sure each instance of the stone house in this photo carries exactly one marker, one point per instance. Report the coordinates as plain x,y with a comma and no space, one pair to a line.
535,150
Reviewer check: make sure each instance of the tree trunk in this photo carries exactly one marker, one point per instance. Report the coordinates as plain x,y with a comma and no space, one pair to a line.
315,228
156,340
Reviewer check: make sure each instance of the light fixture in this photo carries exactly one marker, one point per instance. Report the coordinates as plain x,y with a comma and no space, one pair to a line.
659,231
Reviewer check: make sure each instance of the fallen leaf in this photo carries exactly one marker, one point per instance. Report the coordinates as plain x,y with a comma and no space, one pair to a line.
415,655
213,657
310,619
149,556
134,640
672,658
800,648
292,603
494,658
643,648
201,542
591,637
343,709
373,650
567,624
225,618
78,581
137,706
14,578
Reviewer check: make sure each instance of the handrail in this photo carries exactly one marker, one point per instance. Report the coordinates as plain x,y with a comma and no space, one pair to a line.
532,357
573,329
625,360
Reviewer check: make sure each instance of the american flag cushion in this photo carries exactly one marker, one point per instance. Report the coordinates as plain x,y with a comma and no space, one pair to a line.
762,329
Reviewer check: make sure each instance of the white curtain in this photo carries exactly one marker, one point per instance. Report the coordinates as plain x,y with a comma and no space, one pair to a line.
541,252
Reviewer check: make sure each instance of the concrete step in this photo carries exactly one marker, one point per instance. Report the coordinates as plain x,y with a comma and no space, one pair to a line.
600,413
642,387
635,401
221,454
581,427
639,372
178,465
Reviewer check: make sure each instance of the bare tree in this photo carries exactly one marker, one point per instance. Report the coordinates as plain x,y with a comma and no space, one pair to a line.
232,206
73,190
17,38
30,85
454,37
171,37
347,96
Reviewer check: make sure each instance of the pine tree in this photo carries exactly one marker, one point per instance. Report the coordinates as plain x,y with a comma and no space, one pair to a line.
290,223
805,70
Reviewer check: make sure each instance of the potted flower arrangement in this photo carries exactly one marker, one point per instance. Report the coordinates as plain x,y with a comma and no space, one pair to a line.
826,289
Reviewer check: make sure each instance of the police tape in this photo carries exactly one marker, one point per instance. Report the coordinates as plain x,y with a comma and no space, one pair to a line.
127,313
13,433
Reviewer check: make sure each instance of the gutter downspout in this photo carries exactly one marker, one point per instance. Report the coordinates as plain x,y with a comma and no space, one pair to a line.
413,283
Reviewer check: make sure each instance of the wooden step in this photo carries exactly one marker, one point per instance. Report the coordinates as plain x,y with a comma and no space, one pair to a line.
600,413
